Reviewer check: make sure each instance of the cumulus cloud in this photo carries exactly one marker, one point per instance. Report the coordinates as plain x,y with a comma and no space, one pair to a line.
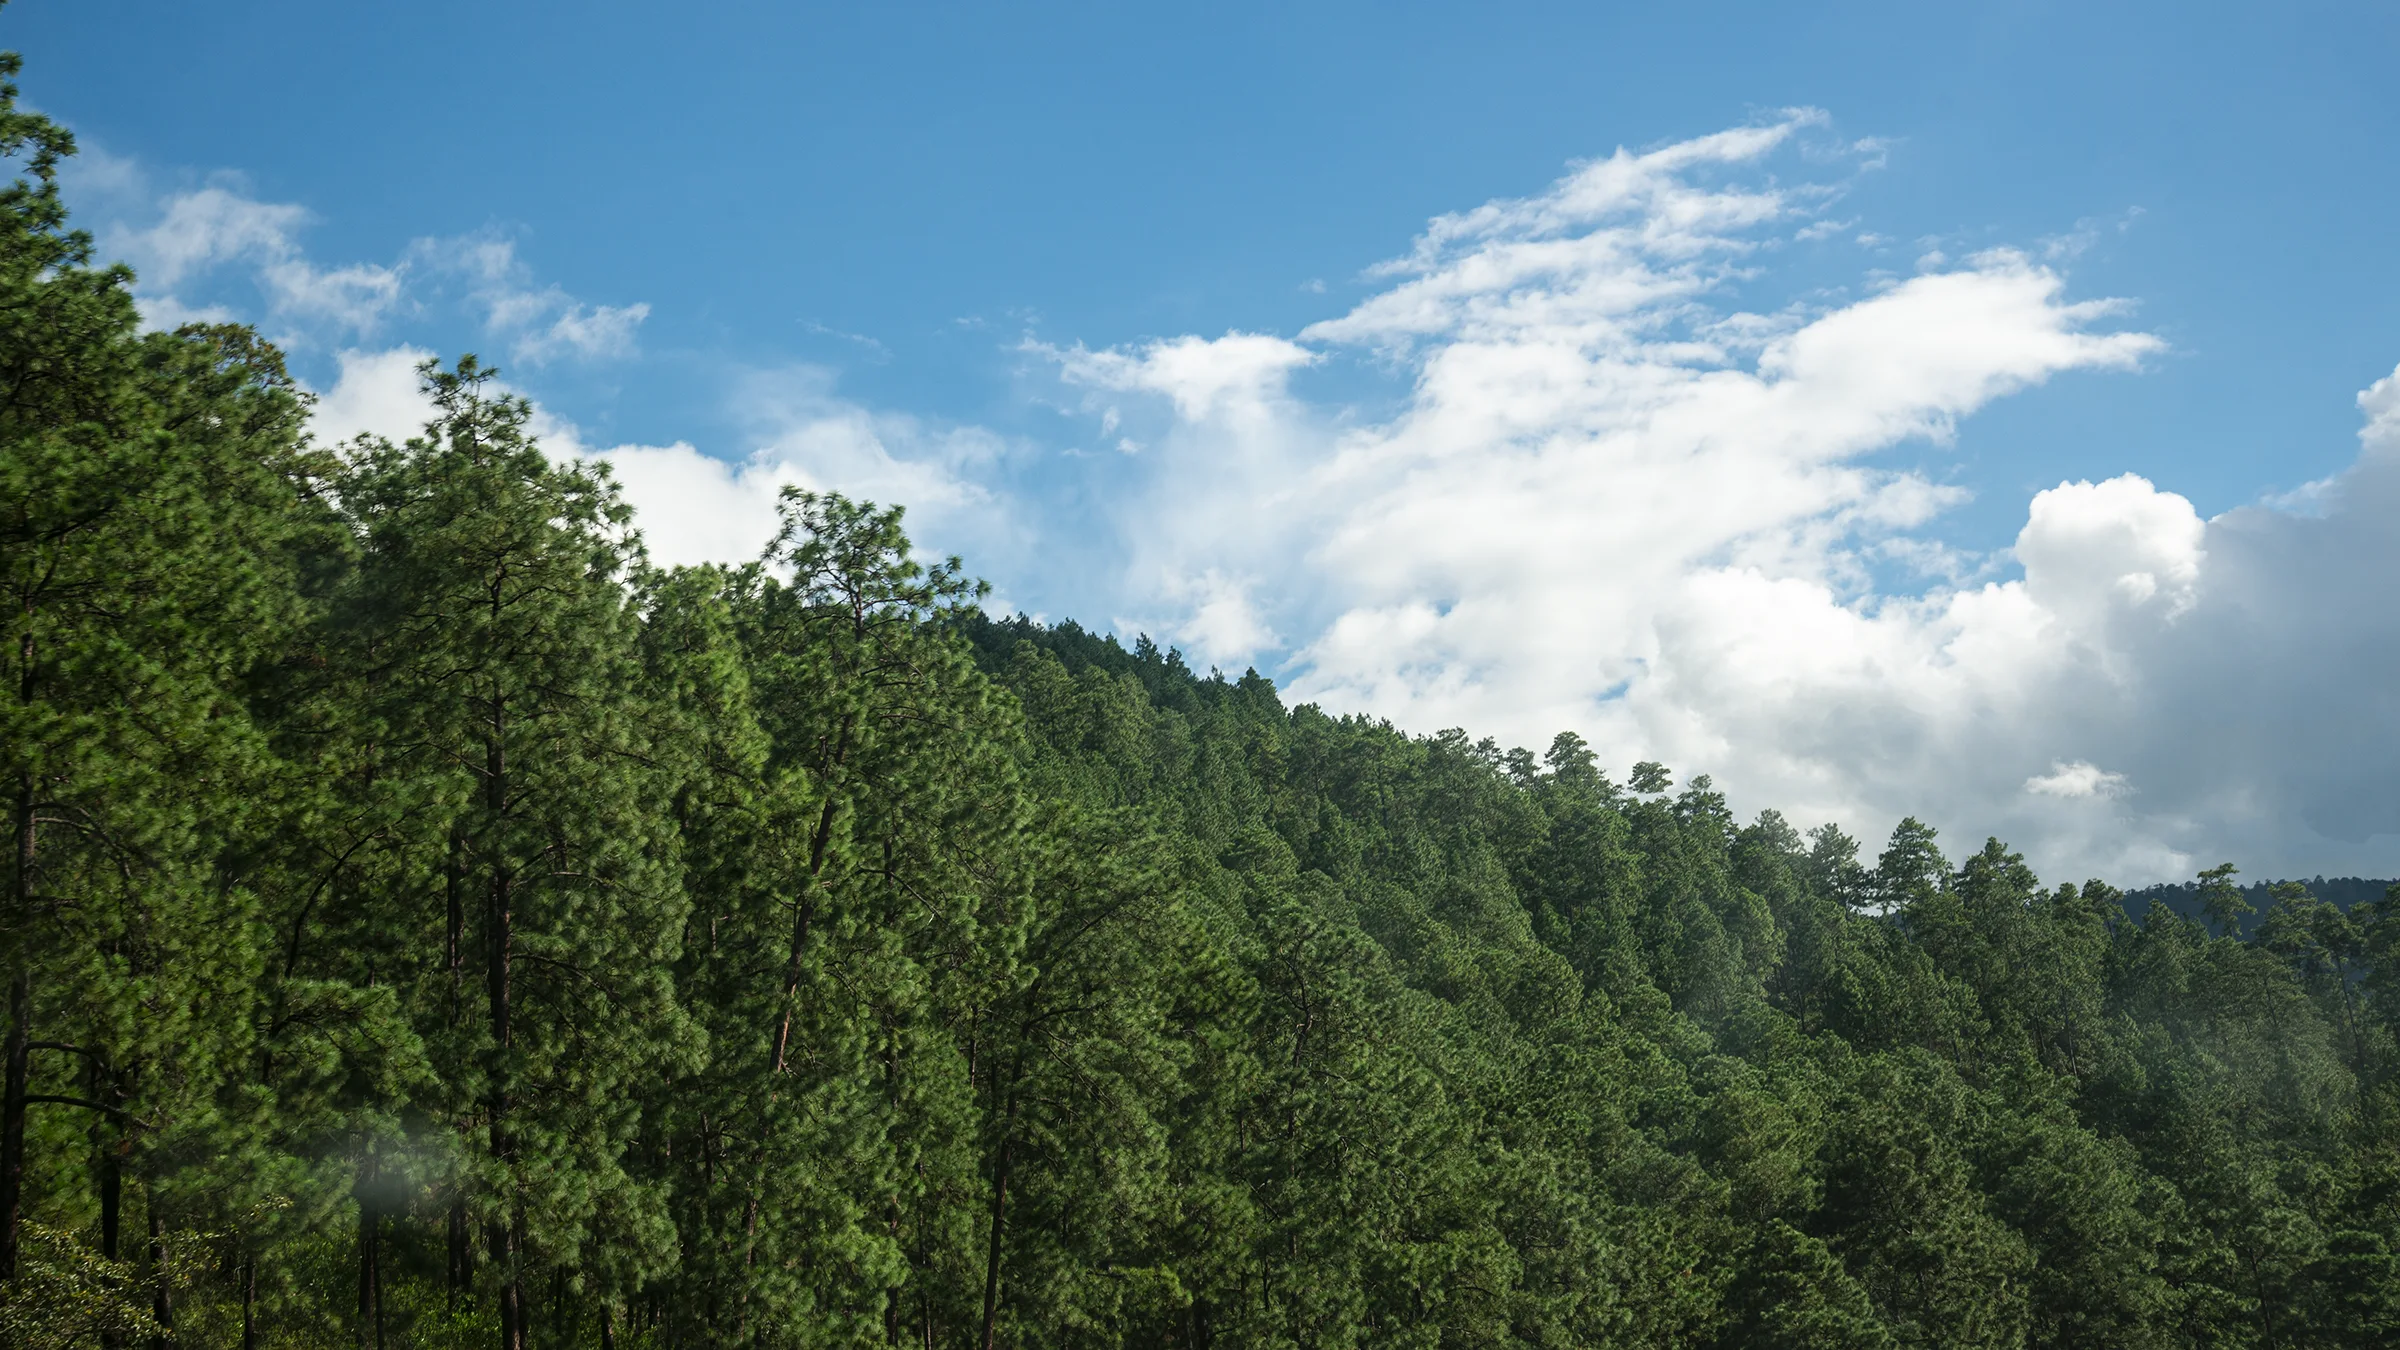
1615,500
696,507
693,507
1204,531
799,431
375,393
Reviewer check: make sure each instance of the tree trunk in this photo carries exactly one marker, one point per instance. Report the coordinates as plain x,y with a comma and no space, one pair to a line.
370,1273
800,921
109,1179
162,1295
249,1301
781,1047
462,1251
507,1246
817,844
20,1036
111,1182
12,1118
454,890
991,1261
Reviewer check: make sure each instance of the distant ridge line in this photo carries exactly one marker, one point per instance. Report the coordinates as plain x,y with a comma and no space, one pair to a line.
2183,897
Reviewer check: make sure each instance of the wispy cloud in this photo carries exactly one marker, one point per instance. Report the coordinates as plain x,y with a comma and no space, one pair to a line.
199,231
540,323
187,244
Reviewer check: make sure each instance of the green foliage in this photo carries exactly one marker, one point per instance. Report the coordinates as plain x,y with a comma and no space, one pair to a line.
66,1295
2221,900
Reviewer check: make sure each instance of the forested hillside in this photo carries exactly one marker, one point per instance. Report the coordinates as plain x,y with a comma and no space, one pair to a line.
429,924
2191,899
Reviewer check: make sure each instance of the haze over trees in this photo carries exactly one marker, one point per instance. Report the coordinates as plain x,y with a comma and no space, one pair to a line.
429,924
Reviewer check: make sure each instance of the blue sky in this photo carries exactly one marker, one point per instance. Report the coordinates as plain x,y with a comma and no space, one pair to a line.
1105,173
946,253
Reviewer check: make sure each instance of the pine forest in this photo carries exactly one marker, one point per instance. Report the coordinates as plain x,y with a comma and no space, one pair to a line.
430,924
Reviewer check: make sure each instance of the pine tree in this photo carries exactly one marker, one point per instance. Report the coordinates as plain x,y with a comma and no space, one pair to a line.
527,895
864,916
149,491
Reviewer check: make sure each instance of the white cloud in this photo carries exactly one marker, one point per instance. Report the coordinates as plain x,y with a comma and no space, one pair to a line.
1238,377
215,226
2380,402
2093,552
191,238
540,323
1206,531
95,177
946,475
377,393
695,507
2079,779
1225,619
597,331
1613,500
350,298
164,312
